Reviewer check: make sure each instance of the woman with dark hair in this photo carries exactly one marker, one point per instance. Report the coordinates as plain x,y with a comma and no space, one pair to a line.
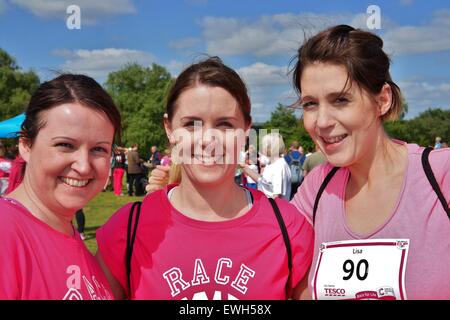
206,237
381,228
66,142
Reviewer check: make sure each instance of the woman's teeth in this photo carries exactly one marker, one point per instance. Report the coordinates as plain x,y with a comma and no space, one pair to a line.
335,139
74,182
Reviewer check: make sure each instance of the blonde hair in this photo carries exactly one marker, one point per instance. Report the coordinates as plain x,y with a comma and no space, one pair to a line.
175,173
273,145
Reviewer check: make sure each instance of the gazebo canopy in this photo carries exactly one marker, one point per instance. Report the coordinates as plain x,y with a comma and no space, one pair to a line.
10,128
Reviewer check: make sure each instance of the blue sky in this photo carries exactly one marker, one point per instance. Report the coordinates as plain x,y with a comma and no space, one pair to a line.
256,37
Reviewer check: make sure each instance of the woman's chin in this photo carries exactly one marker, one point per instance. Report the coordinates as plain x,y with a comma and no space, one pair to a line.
210,179
338,160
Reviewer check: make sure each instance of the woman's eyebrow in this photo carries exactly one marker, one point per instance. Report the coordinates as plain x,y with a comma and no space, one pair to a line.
303,98
63,137
226,118
338,94
72,139
191,118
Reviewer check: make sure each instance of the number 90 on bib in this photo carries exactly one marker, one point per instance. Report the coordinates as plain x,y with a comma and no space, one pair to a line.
361,270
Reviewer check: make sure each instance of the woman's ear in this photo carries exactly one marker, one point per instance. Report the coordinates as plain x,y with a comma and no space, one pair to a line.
384,99
168,128
24,149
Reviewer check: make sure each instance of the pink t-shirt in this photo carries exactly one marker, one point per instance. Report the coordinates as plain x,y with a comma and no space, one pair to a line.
176,257
39,263
418,217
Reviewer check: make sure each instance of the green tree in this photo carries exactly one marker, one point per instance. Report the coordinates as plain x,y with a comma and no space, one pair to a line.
405,108
423,129
428,125
16,86
139,92
290,127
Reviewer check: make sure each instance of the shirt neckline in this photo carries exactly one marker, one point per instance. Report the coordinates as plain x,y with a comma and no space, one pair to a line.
182,218
394,210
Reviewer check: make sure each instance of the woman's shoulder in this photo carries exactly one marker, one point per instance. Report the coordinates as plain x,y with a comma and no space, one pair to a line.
11,209
293,219
290,214
439,159
13,218
318,174
119,219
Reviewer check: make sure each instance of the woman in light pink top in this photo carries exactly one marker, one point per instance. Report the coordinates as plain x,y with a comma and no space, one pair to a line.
381,228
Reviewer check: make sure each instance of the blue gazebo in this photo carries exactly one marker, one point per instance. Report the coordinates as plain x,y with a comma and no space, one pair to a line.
10,128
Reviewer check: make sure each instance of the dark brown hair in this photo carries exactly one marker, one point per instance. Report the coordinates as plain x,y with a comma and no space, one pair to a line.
362,54
68,88
211,72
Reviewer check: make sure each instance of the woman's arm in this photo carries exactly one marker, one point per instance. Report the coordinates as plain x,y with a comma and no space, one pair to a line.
251,173
118,291
159,178
301,291
260,180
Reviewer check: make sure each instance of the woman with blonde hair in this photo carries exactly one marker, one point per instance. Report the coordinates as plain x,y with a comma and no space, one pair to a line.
276,178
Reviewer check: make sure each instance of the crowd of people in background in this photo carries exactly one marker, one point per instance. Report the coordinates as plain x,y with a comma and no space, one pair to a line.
299,161
126,161
278,175
129,163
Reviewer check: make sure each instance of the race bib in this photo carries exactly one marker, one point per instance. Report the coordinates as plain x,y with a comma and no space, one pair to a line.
361,269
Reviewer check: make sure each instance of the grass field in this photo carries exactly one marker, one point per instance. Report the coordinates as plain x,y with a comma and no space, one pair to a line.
98,211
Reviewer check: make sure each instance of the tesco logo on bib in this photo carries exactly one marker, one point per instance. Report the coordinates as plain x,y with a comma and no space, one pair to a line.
334,292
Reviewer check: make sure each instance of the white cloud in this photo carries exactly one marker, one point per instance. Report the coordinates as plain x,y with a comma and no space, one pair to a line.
261,75
269,35
433,37
175,67
444,87
98,63
2,6
421,95
276,35
267,87
281,34
413,40
91,11
442,18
